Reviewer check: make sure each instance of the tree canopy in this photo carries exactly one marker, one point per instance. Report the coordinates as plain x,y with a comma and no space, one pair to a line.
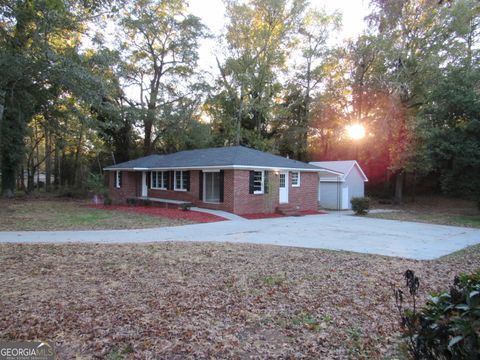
73,100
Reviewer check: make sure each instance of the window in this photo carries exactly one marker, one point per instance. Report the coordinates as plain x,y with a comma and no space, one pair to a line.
159,180
118,179
181,180
258,182
295,178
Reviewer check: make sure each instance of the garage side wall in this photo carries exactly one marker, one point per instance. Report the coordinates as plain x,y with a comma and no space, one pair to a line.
356,185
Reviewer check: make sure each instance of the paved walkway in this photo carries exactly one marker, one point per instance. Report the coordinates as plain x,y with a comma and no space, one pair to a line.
332,231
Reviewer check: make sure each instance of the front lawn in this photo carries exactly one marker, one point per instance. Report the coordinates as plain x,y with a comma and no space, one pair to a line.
434,210
41,214
204,300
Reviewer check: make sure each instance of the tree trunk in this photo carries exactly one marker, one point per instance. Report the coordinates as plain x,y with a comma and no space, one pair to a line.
11,145
399,187
48,160
77,178
56,167
147,141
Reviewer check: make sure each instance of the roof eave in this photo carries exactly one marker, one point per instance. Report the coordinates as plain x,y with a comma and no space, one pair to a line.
221,167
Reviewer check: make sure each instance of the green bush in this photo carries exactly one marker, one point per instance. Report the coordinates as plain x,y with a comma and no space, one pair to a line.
360,205
448,326
145,202
132,201
107,200
185,207
95,183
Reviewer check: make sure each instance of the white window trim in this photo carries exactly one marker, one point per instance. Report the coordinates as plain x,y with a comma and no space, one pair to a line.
298,181
117,179
163,187
262,190
181,180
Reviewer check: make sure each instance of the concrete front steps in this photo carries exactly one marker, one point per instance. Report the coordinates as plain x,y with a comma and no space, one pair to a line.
287,210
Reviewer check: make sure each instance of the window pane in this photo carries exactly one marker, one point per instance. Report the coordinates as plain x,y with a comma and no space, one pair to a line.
154,179
294,178
212,186
257,180
178,179
282,180
164,179
184,181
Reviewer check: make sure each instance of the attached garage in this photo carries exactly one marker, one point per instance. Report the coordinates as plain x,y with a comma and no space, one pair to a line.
336,191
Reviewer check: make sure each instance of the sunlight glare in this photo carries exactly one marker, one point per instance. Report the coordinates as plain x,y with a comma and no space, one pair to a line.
355,131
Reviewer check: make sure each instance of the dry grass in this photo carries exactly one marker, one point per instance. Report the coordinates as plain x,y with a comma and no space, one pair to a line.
434,210
188,300
41,214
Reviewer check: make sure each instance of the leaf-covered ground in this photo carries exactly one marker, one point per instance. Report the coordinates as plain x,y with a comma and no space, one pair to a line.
204,300
433,210
48,214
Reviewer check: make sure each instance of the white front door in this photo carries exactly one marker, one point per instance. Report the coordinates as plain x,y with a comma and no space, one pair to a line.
144,184
283,187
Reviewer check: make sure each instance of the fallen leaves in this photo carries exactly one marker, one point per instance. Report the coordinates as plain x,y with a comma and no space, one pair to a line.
204,300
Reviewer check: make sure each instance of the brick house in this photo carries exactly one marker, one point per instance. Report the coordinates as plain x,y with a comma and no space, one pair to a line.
235,179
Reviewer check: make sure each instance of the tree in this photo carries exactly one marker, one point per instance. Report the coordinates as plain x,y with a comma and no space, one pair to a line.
159,43
39,62
259,34
314,32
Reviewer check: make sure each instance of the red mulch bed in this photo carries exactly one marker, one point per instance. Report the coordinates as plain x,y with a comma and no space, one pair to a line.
191,215
275,215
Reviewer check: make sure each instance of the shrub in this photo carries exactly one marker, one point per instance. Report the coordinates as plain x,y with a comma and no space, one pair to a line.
447,326
185,207
132,201
107,200
95,183
360,205
74,193
145,202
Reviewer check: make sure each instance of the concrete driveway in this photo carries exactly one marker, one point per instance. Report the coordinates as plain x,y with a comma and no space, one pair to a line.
332,231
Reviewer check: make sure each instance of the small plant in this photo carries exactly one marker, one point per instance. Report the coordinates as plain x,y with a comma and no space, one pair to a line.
274,280
95,183
185,207
107,200
145,202
308,321
447,327
360,205
132,201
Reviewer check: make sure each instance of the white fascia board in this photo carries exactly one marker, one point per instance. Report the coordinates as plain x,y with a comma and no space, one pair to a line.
331,179
355,163
228,167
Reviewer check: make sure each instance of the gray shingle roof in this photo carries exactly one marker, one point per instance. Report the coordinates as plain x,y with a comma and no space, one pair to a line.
214,157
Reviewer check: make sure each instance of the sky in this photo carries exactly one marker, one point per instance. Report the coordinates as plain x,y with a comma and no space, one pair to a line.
212,13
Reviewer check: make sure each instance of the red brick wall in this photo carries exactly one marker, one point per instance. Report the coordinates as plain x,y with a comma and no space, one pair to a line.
306,195
193,195
246,203
131,182
236,195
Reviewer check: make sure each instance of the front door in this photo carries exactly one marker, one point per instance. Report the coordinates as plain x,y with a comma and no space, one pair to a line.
283,187
144,184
